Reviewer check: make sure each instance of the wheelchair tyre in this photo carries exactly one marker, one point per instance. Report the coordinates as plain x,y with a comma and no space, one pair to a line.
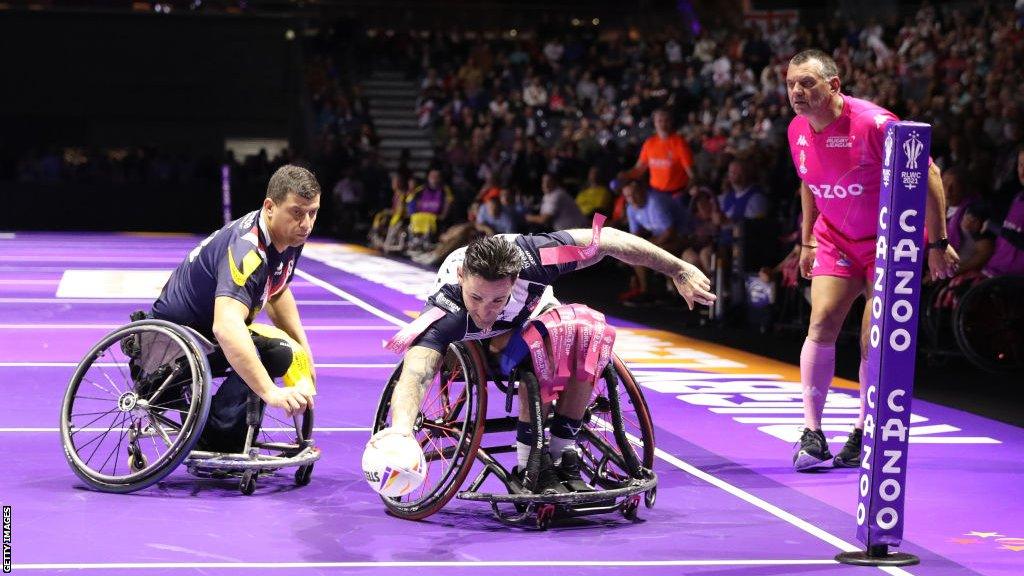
108,376
448,427
617,440
989,324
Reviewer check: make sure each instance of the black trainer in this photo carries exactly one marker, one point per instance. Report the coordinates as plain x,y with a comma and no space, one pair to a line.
548,482
813,452
849,456
569,472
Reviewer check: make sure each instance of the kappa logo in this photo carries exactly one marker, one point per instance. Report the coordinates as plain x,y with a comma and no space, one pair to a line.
801,141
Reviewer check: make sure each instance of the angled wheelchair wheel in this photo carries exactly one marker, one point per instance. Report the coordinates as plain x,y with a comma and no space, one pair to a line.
989,324
617,439
135,406
448,428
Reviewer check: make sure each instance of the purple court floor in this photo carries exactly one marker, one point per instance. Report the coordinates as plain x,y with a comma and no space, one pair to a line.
726,421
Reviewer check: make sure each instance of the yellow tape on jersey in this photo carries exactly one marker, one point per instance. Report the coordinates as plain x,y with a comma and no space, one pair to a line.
250,262
300,372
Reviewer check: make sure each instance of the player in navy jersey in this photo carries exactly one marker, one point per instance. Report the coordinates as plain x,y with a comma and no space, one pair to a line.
492,290
224,283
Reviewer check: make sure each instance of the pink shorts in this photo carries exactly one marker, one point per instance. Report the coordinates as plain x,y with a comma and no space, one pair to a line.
839,256
568,342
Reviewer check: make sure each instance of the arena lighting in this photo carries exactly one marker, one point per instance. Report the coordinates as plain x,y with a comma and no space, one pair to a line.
575,21
513,32
289,34
595,21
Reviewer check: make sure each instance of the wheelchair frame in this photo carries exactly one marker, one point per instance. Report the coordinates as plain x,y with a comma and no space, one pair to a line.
184,371
620,475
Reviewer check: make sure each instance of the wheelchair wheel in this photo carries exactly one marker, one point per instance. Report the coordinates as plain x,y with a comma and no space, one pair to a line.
449,427
617,439
989,324
135,406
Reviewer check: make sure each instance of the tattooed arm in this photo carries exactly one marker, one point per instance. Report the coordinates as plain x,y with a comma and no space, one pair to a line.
418,370
692,284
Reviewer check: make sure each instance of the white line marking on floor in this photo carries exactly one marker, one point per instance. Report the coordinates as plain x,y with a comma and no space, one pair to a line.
147,301
313,328
325,429
424,564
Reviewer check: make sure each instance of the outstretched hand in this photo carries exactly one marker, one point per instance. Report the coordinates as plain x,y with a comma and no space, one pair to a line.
693,286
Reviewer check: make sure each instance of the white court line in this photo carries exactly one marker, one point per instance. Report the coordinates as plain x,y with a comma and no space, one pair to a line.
425,564
686,467
323,328
140,301
351,298
124,365
751,499
103,429
102,259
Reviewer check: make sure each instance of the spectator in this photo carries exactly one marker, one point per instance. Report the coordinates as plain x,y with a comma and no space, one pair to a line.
558,210
595,197
655,216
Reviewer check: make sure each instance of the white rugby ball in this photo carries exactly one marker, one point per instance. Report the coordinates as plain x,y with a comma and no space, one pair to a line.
393,464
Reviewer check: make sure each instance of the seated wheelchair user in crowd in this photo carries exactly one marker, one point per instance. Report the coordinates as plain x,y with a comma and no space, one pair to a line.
493,290
224,283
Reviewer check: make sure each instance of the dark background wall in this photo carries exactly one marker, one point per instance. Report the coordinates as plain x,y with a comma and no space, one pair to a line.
179,83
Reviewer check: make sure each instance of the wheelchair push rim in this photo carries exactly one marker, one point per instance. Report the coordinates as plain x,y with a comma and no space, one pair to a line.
132,412
448,428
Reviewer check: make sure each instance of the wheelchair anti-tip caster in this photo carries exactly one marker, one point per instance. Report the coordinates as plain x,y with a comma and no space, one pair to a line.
247,485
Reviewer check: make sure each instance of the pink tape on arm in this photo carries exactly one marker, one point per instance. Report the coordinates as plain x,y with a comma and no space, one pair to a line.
400,342
566,254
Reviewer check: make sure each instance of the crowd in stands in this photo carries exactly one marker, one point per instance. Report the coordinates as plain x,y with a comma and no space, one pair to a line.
524,125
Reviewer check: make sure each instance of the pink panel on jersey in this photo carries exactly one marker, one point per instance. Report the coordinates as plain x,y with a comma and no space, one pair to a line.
400,342
580,347
842,166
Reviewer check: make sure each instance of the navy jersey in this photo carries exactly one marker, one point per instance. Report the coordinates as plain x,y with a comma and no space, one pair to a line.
530,293
236,261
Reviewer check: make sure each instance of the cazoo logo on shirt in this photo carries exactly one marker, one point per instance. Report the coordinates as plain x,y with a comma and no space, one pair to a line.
828,191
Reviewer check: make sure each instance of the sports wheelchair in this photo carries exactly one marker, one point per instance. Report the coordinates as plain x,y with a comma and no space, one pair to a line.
981,319
136,406
616,444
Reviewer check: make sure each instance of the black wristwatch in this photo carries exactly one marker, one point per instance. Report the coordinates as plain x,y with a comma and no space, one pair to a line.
939,244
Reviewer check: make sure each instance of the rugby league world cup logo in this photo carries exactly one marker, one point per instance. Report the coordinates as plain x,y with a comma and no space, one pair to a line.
912,147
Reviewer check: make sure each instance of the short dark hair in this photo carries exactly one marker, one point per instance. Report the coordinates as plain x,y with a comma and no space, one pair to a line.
828,66
492,258
295,179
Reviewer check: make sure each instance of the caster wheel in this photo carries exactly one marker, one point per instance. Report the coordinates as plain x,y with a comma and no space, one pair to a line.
303,475
545,513
136,460
629,508
650,497
248,483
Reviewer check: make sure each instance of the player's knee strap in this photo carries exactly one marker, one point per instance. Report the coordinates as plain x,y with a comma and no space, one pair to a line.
300,370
